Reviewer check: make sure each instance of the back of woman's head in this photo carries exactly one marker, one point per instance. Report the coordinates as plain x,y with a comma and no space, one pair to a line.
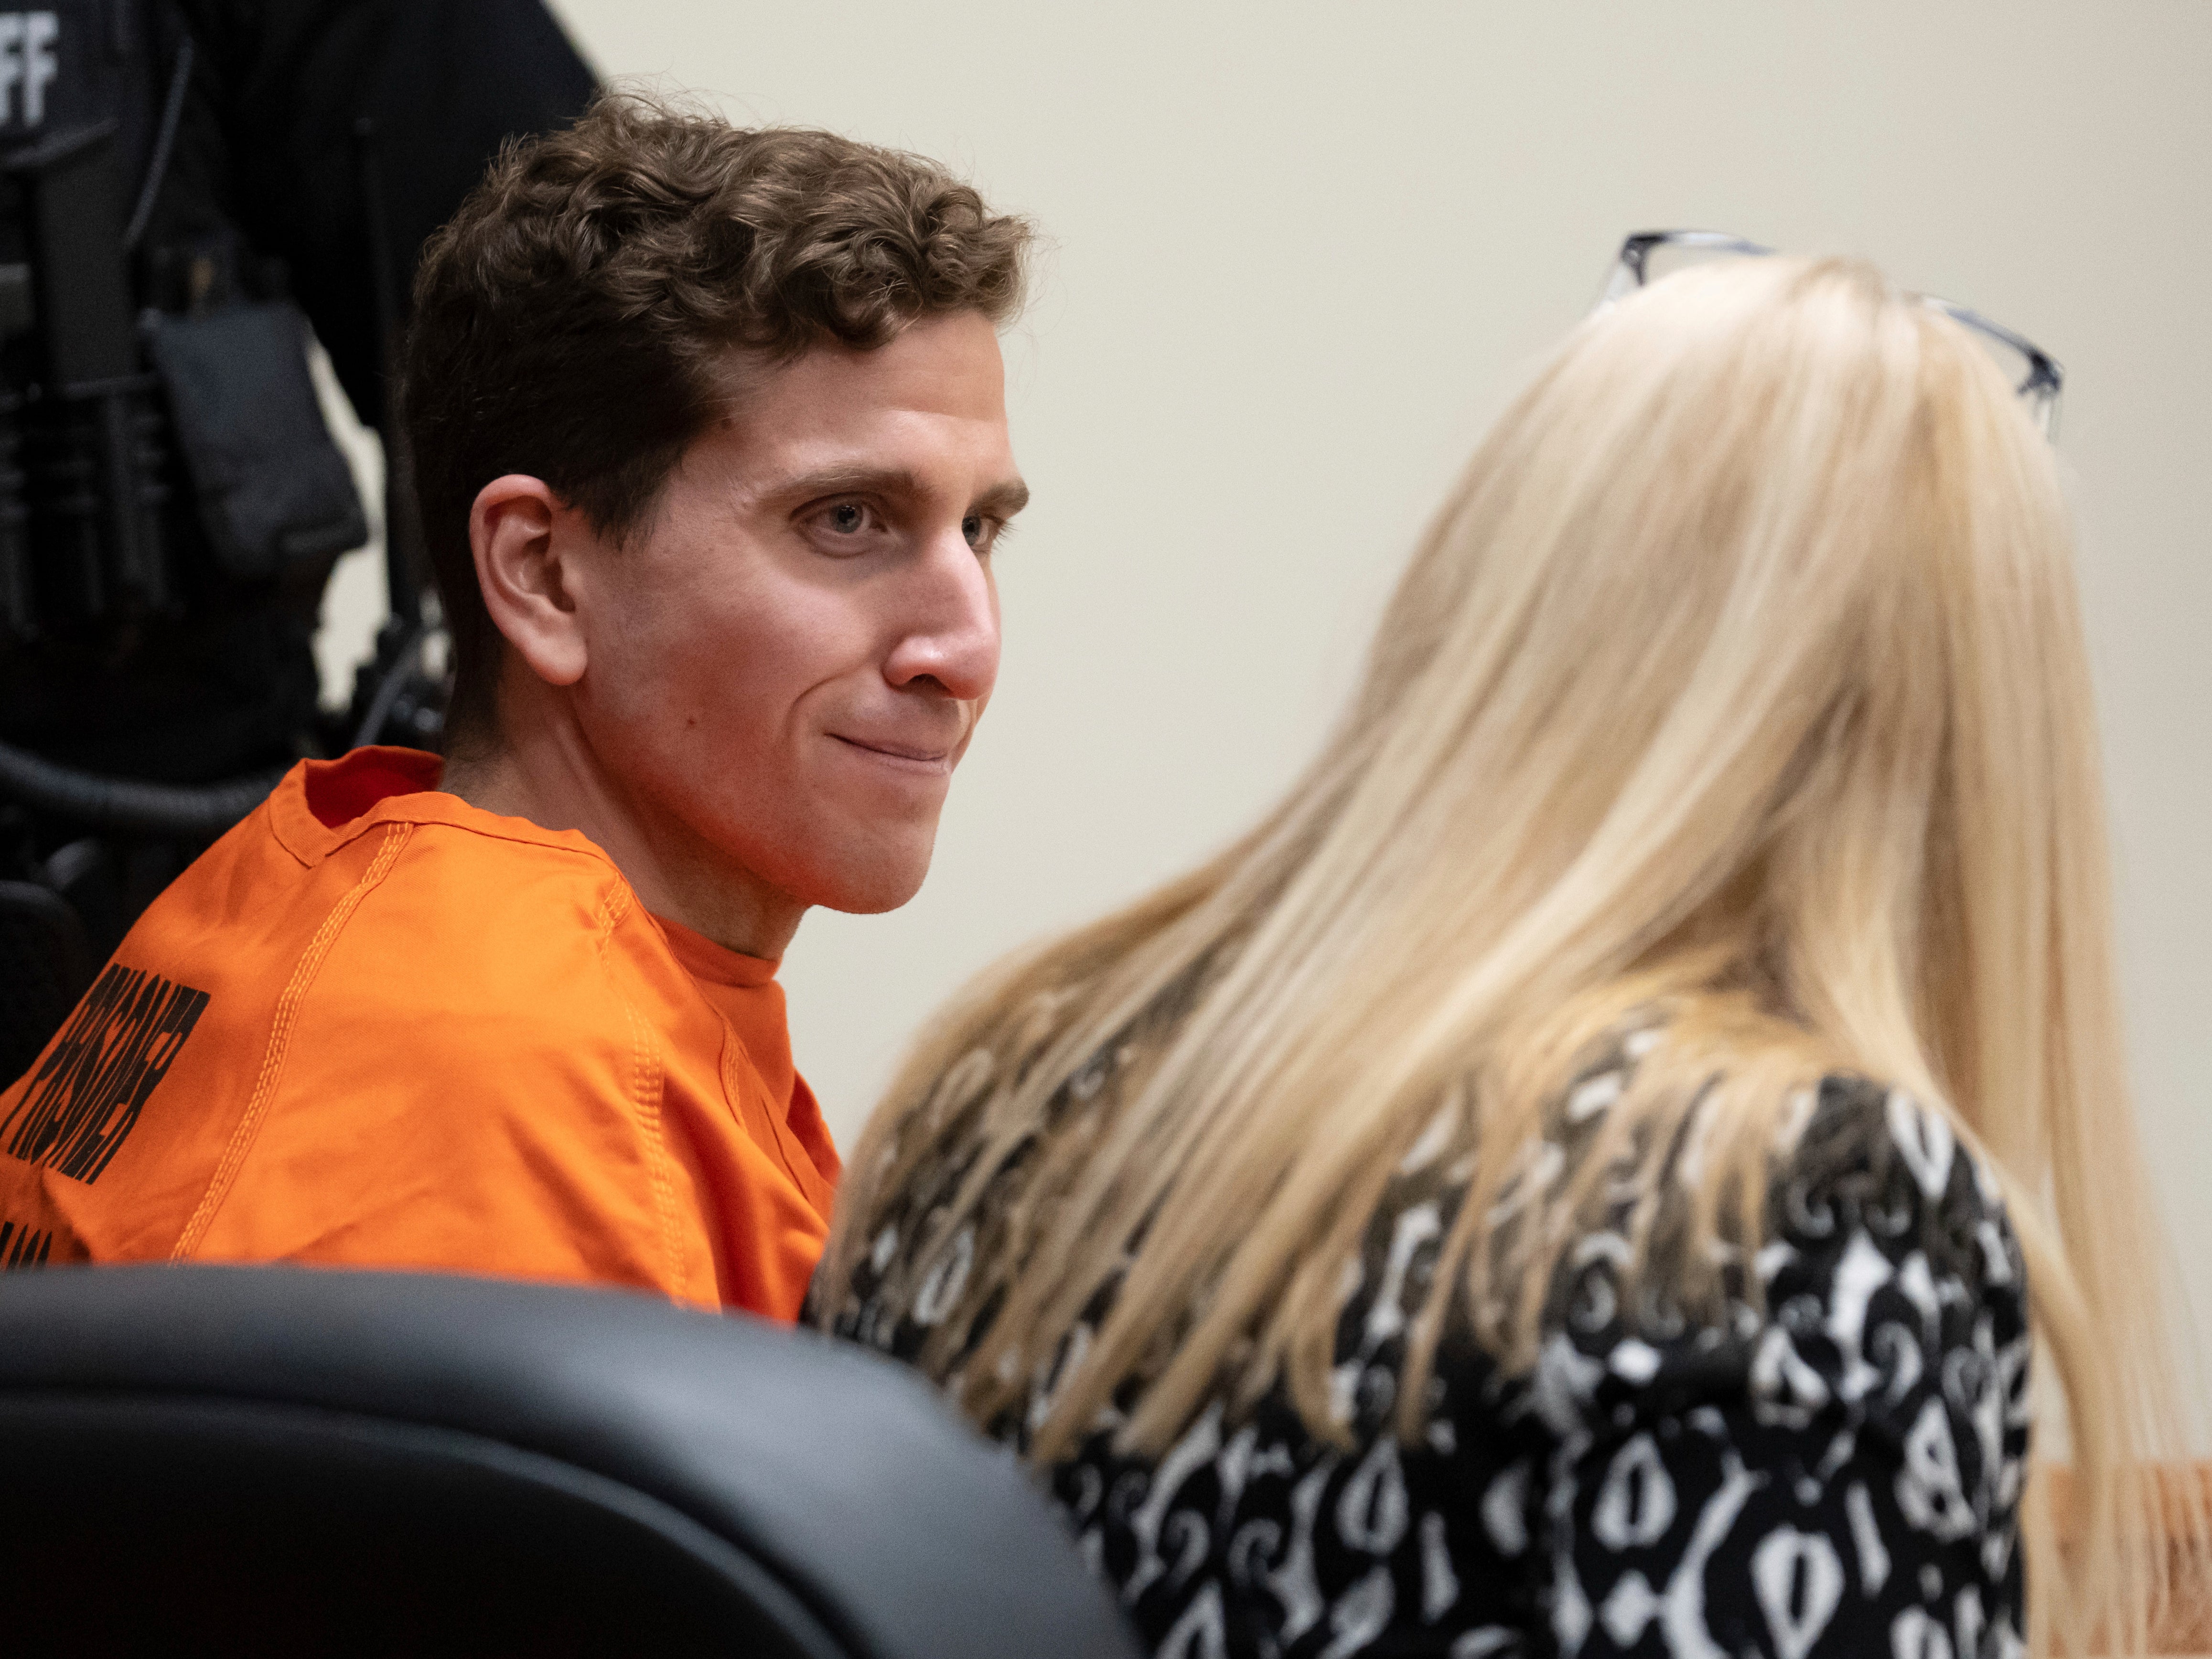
1752,626
1740,677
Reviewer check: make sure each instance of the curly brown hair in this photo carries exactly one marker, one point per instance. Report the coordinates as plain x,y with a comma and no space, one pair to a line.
575,319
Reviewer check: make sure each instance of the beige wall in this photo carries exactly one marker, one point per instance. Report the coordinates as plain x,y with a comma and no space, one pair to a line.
1302,251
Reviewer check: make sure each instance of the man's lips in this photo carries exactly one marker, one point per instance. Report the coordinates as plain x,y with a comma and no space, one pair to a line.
905,756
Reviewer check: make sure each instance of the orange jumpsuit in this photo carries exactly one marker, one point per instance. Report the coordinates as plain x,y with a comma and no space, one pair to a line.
374,1025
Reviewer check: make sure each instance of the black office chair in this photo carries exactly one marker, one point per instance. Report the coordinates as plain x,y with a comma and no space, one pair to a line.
46,965
244,1460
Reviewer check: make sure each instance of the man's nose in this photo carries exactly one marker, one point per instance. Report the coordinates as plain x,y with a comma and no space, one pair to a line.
948,620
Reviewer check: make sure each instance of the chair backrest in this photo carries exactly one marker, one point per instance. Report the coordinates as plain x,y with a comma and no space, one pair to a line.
45,963
270,1460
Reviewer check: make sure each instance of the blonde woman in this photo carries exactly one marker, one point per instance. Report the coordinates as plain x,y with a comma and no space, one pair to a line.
1581,1176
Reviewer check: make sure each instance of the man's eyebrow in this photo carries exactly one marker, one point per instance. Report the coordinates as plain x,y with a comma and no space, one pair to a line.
1001,499
853,481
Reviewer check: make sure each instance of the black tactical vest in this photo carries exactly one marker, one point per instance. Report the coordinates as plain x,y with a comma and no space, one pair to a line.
164,471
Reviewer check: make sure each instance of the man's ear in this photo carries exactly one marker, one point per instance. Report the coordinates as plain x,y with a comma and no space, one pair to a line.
513,534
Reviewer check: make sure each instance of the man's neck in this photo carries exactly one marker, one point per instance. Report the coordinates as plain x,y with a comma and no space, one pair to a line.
548,776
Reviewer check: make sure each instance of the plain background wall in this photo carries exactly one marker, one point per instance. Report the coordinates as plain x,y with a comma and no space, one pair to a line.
1301,254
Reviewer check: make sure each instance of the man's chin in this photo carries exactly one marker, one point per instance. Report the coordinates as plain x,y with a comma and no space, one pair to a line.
869,888
870,902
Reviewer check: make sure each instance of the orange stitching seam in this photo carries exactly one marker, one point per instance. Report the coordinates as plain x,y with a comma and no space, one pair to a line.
272,1062
645,1091
733,1056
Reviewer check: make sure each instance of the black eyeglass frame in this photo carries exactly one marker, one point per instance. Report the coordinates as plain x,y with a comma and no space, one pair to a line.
2045,380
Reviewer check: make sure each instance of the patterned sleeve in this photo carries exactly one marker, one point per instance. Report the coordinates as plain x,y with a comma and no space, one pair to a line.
1836,1472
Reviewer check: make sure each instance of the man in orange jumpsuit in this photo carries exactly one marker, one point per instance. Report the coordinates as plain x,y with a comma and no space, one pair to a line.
711,442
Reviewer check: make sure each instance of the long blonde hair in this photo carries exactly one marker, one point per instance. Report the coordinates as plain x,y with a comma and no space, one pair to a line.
1741,673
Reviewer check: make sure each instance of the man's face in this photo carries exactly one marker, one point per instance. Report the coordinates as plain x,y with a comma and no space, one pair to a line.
787,661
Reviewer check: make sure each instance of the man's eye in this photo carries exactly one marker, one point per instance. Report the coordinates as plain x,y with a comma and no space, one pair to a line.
847,518
980,532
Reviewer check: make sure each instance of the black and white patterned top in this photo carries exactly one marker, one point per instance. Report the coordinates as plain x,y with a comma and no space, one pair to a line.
1837,1472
